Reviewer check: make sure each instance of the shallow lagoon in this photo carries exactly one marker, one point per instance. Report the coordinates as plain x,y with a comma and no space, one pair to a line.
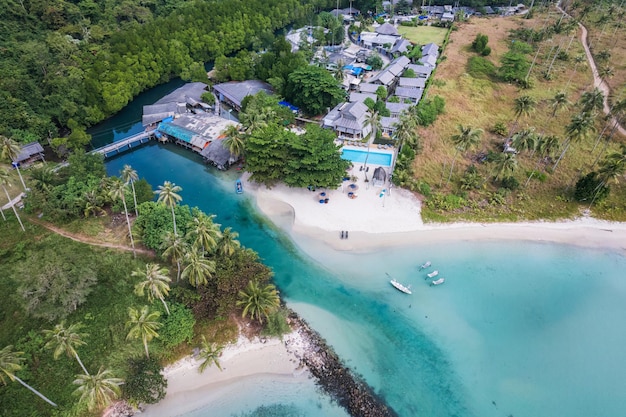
518,329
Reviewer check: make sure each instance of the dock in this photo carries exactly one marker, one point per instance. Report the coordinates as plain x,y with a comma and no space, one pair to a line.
124,144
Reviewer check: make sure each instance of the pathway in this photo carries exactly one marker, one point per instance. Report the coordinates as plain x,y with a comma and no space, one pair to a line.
86,239
598,82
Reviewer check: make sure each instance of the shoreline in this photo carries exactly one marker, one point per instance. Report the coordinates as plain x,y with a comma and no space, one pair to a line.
372,225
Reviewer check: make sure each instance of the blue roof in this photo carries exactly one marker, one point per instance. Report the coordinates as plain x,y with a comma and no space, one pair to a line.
176,131
288,104
355,70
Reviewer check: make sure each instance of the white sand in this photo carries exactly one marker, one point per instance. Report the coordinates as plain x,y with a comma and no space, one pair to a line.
374,221
189,390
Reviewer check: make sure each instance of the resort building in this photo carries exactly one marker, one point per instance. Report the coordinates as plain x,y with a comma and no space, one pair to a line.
421,71
349,120
354,96
30,153
179,102
385,40
414,95
232,93
412,82
389,76
193,131
397,108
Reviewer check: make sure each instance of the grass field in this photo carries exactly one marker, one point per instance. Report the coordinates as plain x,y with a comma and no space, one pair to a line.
483,102
423,34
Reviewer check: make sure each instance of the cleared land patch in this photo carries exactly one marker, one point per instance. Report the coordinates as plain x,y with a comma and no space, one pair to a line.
422,35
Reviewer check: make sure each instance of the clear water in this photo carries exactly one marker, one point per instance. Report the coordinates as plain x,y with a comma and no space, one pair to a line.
522,329
374,158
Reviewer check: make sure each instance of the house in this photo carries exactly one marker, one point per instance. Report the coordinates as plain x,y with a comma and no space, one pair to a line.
412,82
447,17
30,153
421,71
349,120
369,88
194,131
396,109
388,126
401,46
412,94
232,93
354,96
387,29
429,60
179,102
430,49
390,74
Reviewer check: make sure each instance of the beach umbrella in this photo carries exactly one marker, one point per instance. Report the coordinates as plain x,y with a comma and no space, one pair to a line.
353,187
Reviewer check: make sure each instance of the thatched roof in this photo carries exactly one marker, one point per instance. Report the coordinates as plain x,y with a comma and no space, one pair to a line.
387,29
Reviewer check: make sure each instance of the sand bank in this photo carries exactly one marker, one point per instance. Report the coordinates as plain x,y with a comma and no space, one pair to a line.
189,390
376,219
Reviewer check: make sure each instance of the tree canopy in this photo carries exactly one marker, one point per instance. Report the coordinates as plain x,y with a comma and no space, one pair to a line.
313,89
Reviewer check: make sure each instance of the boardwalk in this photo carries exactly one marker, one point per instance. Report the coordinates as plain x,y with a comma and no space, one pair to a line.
123,145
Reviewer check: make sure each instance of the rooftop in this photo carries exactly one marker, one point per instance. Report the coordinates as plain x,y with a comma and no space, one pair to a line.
236,91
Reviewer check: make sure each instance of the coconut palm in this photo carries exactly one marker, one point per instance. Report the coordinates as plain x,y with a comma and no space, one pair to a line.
168,195
406,131
174,247
65,340
525,140
198,269
11,362
210,353
258,301
523,106
92,203
606,72
592,100
205,233
228,244
466,139
547,146
43,177
579,128
578,59
235,141
97,390
506,164
143,325
117,190
612,168
5,180
559,101
10,149
154,280
129,175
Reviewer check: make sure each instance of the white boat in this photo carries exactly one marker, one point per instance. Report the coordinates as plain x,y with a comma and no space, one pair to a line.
400,287
425,265
438,282
433,274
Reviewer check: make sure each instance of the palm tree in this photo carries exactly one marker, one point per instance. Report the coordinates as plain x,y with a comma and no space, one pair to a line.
579,128
559,102
210,352
117,190
154,280
229,243
5,179
168,195
466,139
606,72
10,149
11,362
43,176
198,268
65,340
592,100
235,141
97,390
129,175
373,121
406,131
143,324
174,247
258,301
546,146
523,105
506,164
578,59
525,140
612,168
206,233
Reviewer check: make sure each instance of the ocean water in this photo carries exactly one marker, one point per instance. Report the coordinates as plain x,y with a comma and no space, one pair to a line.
518,329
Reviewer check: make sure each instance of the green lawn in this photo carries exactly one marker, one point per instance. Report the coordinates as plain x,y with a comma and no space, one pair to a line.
423,34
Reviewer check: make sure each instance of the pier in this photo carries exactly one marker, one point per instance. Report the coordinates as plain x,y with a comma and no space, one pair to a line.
125,144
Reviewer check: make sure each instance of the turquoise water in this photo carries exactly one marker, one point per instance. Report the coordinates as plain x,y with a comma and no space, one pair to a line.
521,329
374,158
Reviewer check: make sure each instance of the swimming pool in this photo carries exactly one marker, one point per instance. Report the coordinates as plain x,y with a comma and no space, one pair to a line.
374,158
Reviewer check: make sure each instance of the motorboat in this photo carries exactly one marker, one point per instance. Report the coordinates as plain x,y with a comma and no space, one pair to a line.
438,282
433,274
238,187
425,265
400,287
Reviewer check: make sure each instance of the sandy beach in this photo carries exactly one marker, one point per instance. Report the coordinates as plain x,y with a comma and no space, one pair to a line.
375,219
189,390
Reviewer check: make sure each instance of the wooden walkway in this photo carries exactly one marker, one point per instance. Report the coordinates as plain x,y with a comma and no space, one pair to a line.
123,145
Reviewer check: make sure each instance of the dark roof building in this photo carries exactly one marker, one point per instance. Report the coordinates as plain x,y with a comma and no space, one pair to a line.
387,29
30,152
234,92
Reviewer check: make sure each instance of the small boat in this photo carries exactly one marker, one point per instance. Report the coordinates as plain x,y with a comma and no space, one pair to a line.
238,187
425,265
400,287
438,282
433,274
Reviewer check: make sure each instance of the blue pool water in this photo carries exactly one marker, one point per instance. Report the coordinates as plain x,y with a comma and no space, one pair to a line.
522,329
374,158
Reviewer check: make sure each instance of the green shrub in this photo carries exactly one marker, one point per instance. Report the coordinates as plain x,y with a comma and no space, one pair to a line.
480,43
479,67
500,129
177,326
144,384
510,183
429,109
277,325
591,188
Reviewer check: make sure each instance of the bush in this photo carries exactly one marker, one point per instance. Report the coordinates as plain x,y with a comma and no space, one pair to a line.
510,183
479,67
590,188
144,383
486,51
500,129
375,61
177,326
480,43
429,109
277,325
